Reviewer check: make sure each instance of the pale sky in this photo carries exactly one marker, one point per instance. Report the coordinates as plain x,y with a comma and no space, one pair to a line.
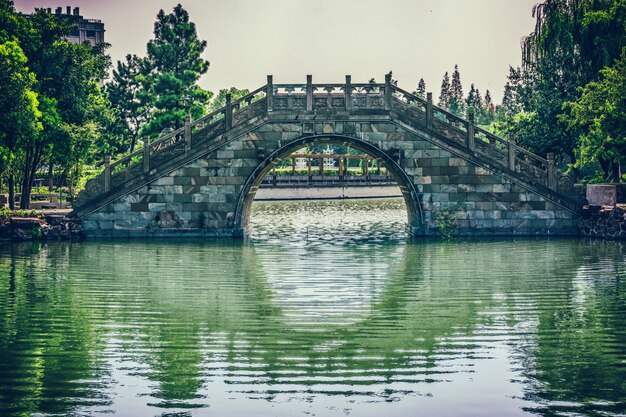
248,39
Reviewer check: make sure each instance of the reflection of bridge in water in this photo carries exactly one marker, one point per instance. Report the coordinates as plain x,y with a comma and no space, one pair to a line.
201,180
399,323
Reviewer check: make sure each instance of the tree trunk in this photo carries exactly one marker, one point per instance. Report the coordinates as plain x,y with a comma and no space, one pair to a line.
615,172
605,165
133,142
50,176
11,185
33,157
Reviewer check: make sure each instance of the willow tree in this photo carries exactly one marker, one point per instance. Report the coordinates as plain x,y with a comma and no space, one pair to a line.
572,41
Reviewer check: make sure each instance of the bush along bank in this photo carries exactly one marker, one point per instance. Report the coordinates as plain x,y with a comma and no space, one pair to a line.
43,227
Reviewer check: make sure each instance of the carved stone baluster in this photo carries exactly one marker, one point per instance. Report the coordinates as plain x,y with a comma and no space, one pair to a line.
329,90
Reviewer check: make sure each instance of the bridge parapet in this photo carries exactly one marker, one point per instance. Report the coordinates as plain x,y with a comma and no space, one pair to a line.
313,103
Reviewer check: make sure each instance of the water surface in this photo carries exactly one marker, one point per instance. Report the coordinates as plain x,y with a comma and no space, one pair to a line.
327,310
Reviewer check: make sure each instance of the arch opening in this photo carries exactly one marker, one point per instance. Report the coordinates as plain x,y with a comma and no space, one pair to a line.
251,186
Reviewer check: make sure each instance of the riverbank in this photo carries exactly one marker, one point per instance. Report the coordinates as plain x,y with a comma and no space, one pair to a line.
603,222
595,221
40,225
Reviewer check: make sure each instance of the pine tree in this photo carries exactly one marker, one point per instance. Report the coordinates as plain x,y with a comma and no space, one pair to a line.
124,92
488,102
175,58
421,89
490,109
508,100
471,96
446,92
456,100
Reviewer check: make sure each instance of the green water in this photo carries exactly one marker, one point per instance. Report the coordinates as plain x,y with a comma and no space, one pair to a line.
328,310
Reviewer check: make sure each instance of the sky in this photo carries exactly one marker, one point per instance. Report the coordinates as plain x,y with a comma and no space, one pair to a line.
248,39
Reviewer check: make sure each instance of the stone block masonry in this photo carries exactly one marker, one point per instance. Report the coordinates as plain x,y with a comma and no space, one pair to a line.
212,194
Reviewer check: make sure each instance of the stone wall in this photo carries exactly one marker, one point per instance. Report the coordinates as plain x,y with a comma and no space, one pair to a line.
210,196
606,224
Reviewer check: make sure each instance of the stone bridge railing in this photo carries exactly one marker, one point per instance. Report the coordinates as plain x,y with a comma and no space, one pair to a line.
335,101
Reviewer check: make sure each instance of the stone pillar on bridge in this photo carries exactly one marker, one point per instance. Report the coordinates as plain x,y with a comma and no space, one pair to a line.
347,92
429,110
388,95
269,93
470,130
228,113
512,146
187,133
107,173
146,154
309,93
551,171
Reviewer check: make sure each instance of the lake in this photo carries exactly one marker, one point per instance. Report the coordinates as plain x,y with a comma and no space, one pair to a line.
328,309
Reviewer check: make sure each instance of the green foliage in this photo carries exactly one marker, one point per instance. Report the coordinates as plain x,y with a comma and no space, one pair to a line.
447,218
63,81
175,62
445,94
125,94
599,117
572,42
220,100
456,104
6,212
421,89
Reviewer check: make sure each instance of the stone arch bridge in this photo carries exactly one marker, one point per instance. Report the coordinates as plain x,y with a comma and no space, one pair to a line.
200,180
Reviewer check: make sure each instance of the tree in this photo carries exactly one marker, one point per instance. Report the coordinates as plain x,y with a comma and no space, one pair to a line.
489,109
474,101
19,113
176,63
220,100
421,89
445,95
456,104
572,41
599,117
124,92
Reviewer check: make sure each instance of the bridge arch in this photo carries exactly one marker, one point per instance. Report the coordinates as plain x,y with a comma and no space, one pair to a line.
409,191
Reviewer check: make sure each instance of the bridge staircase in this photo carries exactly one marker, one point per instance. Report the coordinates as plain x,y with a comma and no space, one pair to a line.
315,103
